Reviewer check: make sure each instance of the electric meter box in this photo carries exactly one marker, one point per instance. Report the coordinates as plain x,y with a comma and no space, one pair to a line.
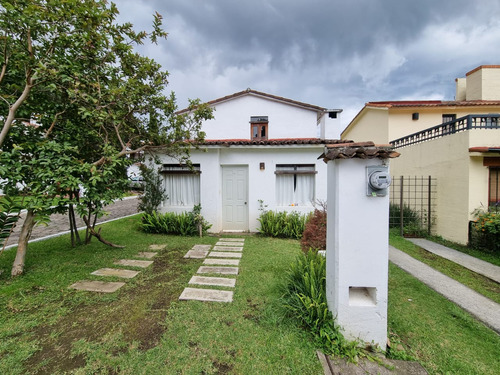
378,180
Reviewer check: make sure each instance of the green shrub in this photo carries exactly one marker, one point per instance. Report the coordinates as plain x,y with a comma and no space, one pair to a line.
486,230
305,300
282,224
413,224
183,224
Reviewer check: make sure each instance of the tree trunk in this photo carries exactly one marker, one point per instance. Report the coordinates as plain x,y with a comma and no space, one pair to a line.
75,236
97,235
22,247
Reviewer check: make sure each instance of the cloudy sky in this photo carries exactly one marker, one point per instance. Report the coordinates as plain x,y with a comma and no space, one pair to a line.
331,53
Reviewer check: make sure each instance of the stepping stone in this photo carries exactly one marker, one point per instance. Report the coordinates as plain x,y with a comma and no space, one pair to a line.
134,263
232,239
127,274
218,270
202,247
147,254
157,247
228,248
219,254
209,295
221,243
97,286
222,262
196,254
214,281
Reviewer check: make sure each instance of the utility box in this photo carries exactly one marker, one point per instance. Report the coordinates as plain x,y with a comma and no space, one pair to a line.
357,251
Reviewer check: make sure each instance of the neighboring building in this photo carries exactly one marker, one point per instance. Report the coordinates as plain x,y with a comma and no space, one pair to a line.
457,142
260,150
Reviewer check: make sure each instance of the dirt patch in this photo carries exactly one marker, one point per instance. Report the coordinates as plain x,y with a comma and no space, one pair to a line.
138,315
222,368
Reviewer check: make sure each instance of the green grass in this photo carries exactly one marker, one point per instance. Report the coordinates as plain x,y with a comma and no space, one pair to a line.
444,338
479,283
143,329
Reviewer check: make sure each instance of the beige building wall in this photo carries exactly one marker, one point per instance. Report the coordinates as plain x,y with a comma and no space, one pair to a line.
462,180
448,162
483,83
372,126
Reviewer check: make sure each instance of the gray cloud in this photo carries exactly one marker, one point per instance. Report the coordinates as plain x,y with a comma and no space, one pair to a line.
326,52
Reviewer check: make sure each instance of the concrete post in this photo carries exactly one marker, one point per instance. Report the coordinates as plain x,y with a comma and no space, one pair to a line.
357,247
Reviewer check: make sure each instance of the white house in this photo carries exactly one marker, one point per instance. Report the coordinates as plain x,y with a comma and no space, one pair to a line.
260,149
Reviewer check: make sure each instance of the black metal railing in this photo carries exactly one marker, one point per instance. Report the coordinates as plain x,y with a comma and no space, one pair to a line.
451,127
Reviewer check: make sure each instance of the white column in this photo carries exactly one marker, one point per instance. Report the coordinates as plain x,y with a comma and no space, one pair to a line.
357,252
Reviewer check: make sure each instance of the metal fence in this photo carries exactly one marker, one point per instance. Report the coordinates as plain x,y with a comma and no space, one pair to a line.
412,203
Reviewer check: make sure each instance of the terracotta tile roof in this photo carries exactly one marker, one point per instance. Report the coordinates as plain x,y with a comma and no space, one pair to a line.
482,67
270,142
432,103
358,150
264,95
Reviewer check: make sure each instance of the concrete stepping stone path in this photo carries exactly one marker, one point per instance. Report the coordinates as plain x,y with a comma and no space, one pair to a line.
220,243
118,272
202,247
218,270
221,254
157,247
97,286
221,262
213,281
207,295
228,248
134,263
147,254
196,254
218,262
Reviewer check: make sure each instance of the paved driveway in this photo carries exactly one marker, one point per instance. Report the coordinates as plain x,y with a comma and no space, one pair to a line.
60,223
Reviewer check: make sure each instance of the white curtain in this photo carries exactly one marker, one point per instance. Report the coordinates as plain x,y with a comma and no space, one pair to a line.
182,189
296,189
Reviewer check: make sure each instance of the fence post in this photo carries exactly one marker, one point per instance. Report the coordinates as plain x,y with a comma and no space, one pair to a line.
429,206
401,223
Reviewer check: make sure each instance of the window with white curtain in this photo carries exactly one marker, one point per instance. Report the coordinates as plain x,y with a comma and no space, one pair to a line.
295,184
182,184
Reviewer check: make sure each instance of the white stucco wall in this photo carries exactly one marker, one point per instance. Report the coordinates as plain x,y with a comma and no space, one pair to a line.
261,183
232,119
357,252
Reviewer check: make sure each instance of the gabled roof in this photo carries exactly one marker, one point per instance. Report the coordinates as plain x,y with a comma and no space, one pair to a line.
432,103
250,92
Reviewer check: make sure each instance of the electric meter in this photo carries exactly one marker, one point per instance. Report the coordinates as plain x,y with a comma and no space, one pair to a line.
378,180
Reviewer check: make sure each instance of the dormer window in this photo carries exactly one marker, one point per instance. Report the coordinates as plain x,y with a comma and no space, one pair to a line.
258,127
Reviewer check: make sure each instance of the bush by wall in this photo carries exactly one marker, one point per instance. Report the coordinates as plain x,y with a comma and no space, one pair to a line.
282,224
314,236
183,224
485,231
305,299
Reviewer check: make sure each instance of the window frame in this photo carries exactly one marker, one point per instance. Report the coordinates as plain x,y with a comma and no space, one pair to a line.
172,170
295,172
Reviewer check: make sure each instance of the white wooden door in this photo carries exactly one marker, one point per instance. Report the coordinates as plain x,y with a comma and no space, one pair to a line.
235,198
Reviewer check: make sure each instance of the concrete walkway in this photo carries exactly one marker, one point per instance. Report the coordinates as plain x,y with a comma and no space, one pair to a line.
476,304
477,265
59,224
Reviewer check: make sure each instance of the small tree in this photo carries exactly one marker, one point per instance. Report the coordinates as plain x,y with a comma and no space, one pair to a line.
154,191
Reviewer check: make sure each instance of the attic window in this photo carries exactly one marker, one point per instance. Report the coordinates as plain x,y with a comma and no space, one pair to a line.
259,127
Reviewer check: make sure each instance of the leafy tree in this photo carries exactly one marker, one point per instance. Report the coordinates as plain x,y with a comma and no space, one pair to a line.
71,72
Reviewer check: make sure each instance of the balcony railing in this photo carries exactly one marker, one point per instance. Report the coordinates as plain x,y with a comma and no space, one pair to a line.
460,124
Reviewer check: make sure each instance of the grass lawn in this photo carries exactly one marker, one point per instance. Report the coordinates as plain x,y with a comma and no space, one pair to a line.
143,328
479,283
46,328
